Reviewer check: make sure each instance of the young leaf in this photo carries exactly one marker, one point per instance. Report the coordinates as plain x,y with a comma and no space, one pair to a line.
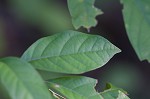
83,13
74,87
70,52
21,80
137,21
113,92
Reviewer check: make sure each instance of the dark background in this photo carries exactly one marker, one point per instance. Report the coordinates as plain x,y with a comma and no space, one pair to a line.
22,22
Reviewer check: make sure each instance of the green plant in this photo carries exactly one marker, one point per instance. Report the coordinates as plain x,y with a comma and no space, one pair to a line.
51,68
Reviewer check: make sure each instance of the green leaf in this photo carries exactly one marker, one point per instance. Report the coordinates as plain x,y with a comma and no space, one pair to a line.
21,80
70,52
83,13
78,87
110,86
74,87
137,21
113,92
50,75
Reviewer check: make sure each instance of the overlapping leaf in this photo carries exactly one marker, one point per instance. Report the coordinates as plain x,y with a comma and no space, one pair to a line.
70,52
83,13
78,87
21,80
137,21
112,92
75,87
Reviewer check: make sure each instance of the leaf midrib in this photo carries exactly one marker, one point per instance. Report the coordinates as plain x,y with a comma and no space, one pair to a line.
34,59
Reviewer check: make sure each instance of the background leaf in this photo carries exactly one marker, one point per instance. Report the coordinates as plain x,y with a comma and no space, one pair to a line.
74,87
83,13
70,52
21,80
49,16
137,21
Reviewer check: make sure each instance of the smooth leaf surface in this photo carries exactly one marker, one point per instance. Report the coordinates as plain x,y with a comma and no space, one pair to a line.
83,13
50,75
137,21
74,87
21,80
70,52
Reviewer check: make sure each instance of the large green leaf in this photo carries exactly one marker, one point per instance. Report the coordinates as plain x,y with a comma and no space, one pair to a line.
83,13
74,87
70,52
21,80
137,21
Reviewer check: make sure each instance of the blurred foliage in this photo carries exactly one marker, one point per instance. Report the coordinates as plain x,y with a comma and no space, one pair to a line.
2,38
136,15
48,15
123,75
83,13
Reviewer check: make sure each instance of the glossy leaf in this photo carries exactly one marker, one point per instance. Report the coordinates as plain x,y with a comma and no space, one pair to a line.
74,87
83,13
70,52
137,21
21,80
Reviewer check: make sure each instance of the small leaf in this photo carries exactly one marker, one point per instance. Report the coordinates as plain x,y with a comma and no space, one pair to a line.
137,21
70,52
74,87
21,80
113,92
110,86
83,13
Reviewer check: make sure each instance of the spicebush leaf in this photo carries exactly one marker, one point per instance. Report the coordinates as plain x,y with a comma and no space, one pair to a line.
70,52
74,87
137,21
21,80
83,13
